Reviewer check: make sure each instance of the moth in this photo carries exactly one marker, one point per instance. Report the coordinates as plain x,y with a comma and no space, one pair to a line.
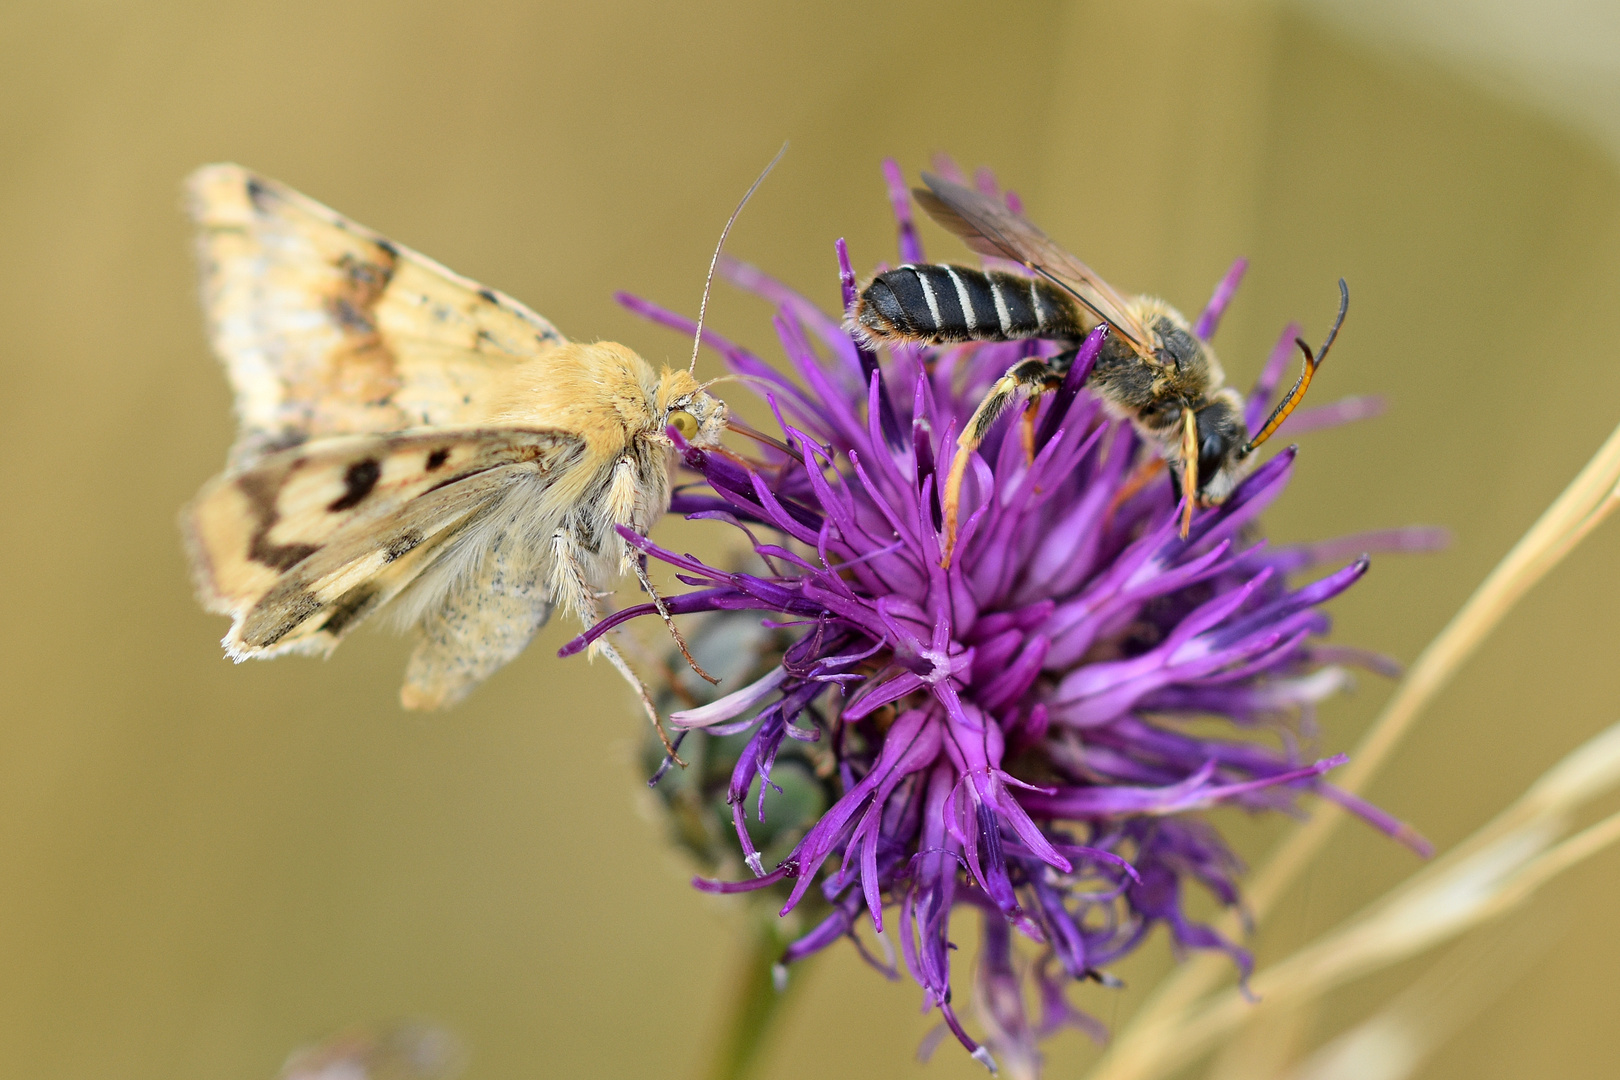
413,440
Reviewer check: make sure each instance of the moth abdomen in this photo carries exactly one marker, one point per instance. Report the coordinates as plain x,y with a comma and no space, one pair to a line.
940,304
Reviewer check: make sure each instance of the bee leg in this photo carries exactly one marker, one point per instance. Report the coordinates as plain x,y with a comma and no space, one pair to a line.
570,588
1053,382
1143,475
1026,431
1027,376
1189,468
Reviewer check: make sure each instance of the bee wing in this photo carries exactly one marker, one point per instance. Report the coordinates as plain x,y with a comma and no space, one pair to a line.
301,546
990,228
326,327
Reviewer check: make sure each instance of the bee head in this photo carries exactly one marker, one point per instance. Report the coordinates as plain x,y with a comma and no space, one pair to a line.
1221,433
683,405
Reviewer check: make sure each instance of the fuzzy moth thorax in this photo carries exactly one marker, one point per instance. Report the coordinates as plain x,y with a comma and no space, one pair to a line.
579,387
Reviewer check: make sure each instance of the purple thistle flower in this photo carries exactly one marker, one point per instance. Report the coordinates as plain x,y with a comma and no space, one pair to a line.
1008,733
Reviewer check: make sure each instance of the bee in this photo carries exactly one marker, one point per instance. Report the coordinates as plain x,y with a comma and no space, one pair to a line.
412,439
1151,368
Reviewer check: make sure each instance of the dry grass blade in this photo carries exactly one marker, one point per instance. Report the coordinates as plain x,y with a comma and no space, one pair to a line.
1394,1042
1489,874
1588,499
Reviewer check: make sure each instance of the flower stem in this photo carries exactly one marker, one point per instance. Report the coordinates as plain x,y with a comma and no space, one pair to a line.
756,1005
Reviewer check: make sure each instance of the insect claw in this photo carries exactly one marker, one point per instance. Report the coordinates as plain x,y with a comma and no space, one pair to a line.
669,759
695,666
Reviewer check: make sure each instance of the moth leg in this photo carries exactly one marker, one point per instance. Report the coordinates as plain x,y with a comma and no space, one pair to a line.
640,564
1032,376
622,497
570,587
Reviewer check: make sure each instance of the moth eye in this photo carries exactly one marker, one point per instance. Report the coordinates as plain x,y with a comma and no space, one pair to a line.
683,422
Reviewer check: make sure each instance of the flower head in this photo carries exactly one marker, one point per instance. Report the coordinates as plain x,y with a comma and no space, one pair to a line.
1010,732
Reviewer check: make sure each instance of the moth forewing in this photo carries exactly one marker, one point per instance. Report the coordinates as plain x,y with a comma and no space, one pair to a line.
326,327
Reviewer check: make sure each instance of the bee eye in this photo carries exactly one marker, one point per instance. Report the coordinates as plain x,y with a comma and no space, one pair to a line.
683,422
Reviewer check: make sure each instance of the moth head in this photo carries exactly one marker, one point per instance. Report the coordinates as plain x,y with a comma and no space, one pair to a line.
683,405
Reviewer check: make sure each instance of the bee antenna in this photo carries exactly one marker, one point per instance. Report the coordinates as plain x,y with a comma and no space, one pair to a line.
1297,394
697,339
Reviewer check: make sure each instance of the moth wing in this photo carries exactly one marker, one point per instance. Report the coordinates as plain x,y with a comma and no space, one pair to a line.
486,618
303,545
325,327
987,226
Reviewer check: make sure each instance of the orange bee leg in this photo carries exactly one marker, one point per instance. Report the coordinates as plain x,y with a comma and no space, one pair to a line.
1027,376
1143,475
1027,431
1189,468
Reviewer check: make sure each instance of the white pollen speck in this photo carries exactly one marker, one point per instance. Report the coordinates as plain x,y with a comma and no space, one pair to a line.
779,977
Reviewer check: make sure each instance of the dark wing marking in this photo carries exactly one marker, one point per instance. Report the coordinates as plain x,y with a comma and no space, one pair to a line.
326,327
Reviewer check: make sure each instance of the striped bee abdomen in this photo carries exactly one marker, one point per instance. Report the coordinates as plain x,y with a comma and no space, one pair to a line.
938,304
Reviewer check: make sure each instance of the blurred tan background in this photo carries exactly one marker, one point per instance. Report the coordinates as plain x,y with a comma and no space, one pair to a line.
203,866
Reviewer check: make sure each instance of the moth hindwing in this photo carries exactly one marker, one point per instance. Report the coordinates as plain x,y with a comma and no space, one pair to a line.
298,547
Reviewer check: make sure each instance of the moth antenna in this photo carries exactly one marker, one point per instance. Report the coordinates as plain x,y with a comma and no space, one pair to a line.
737,376
697,339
